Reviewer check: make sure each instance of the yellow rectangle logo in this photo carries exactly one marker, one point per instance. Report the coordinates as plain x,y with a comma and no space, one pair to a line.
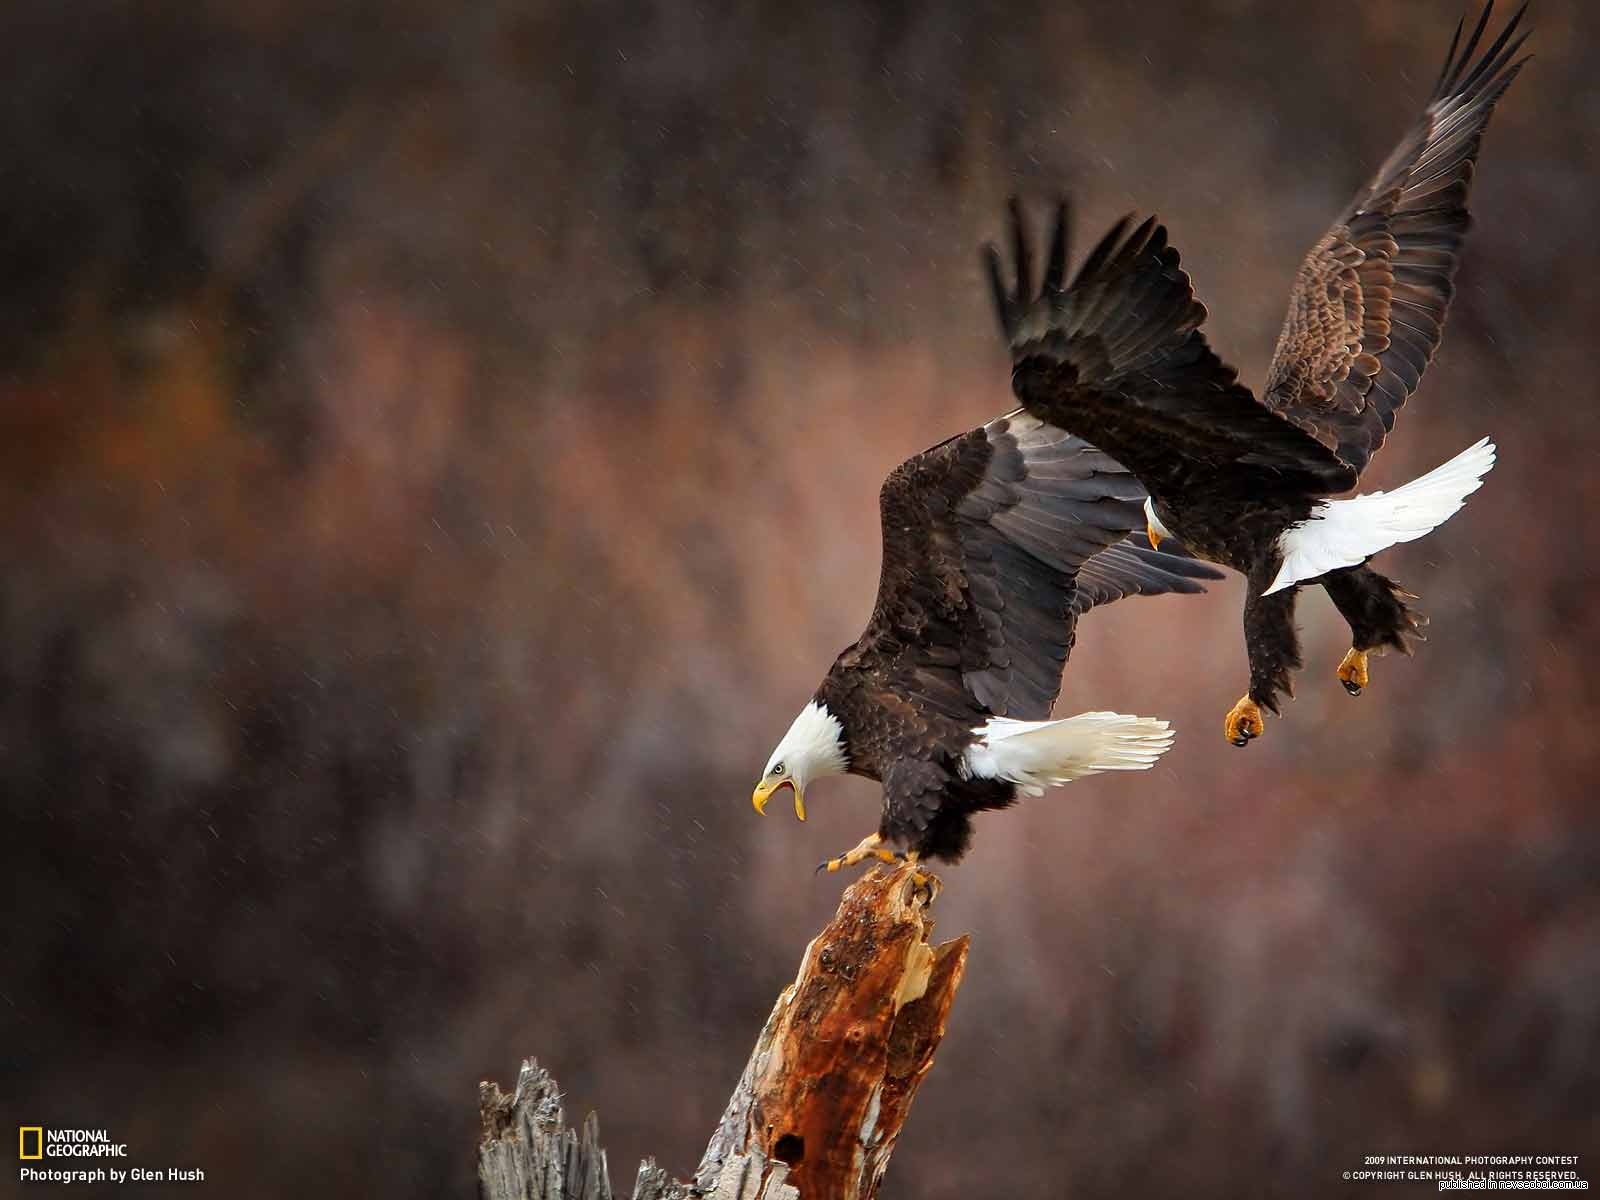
38,1141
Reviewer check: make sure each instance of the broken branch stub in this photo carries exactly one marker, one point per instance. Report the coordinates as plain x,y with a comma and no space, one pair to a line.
816,1114
847,1045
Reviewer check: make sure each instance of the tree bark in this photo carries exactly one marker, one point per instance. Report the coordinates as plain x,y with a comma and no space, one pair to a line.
819,1107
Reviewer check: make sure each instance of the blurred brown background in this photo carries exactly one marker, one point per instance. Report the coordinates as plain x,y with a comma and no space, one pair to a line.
441,447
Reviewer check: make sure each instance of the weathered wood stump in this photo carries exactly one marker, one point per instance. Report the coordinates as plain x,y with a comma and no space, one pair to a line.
819,1107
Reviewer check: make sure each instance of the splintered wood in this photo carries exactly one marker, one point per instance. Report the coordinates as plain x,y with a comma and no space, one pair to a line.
848,1043
825,1092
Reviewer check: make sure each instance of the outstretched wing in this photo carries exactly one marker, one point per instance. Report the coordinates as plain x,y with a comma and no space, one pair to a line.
984,537
1118,358
1370,299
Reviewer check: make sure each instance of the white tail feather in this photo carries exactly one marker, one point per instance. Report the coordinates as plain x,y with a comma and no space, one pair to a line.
1035,755
1345,533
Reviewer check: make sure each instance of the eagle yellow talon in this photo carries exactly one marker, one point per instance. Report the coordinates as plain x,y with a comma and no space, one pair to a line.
1243,722
922,883
870,846
1353,671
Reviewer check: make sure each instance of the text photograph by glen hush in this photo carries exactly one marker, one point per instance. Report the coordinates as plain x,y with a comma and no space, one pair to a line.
88,1156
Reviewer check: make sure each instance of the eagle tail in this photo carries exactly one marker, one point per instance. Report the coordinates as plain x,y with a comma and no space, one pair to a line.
1345,533
1035,755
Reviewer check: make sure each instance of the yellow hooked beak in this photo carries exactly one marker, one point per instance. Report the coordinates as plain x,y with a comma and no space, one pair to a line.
1150,532
764,792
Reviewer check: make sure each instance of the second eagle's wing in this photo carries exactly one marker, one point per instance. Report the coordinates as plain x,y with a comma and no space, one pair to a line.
1369,301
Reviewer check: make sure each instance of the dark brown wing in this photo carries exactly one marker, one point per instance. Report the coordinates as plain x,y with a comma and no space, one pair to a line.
1118,358
1132,568
983,540
1370,299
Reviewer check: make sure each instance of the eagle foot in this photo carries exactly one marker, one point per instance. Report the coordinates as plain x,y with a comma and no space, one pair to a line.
870,846
924,887
1353,671
1243,722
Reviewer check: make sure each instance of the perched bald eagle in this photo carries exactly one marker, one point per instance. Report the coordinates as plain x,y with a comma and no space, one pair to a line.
994,543
1246,482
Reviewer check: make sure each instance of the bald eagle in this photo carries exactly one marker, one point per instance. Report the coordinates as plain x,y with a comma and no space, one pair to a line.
1247,482
994,543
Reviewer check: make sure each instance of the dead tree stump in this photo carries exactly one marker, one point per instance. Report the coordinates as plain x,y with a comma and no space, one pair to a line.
819,1107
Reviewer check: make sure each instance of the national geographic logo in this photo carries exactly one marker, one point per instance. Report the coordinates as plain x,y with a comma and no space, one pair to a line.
35,1142
70,1156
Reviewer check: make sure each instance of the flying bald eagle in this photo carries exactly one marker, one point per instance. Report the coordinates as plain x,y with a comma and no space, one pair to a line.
994,543
1245,482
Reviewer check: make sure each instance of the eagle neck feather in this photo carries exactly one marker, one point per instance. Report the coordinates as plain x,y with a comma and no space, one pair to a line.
815,742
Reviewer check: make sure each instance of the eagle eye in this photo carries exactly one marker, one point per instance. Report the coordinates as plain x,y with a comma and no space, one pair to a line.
777,768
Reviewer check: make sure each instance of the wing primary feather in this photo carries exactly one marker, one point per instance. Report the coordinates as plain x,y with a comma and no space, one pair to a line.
1497,55
997,286
1055,272
1021,249
1093,265
1472,44
1449,58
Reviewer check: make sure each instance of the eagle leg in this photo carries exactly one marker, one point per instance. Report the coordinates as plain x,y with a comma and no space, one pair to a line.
870,846
1243,722
1375,609
1274,652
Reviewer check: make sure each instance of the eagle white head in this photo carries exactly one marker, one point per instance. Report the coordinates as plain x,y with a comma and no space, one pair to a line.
812,749
1153,527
